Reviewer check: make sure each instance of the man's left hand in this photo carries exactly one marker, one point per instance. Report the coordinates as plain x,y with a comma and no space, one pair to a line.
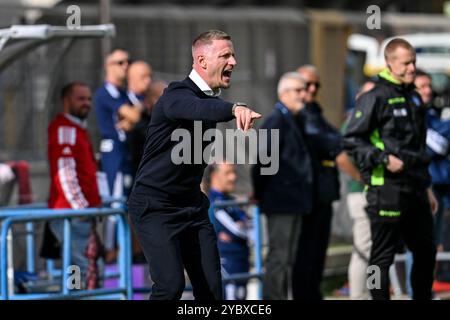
130,113
224,237
434,205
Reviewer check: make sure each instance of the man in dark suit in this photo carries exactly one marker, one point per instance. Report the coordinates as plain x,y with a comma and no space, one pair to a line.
286,196
327,152
167,207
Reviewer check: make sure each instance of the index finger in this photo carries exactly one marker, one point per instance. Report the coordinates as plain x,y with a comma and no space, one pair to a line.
256,115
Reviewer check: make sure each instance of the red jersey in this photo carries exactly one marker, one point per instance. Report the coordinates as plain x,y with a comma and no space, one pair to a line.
72,165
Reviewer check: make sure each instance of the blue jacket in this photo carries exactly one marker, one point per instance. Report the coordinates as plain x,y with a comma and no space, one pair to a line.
225,220
438,140
106,107
113,145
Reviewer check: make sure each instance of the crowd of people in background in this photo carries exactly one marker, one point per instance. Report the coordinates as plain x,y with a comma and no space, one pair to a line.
123,107
297,200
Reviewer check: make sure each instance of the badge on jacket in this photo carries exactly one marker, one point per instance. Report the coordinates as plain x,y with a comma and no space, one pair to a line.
416,100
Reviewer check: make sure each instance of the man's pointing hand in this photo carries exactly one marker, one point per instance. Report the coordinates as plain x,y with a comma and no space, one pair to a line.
245,117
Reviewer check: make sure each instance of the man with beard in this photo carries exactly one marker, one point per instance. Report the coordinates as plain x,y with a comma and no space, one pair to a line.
73,168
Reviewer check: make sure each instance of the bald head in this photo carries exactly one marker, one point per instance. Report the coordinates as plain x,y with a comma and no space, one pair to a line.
155,91
308,68
139,77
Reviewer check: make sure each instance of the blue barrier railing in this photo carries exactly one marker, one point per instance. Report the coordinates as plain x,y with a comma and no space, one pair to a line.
29,227
106,201
257,240
38,212
28,216
30,252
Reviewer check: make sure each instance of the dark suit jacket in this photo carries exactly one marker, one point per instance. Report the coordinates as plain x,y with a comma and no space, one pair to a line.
325,142
291,189
179,107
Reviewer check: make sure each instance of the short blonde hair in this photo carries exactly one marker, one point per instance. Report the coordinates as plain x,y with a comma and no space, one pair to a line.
394,44
206,38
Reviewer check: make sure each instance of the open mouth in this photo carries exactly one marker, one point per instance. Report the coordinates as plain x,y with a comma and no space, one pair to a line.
227,74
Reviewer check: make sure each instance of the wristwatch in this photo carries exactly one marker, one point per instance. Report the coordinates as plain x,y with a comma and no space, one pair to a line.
238,104
385,159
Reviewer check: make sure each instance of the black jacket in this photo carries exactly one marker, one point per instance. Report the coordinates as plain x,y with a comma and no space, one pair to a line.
181,104
325,144
136,139
389,119
291,189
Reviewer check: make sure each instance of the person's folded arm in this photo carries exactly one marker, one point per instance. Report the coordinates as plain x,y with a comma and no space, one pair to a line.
236,229
131,113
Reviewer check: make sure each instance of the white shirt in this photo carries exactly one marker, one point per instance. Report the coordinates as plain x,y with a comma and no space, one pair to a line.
133,98
198,80
78,121
112,90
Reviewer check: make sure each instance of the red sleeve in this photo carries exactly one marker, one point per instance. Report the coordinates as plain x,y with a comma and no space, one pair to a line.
62,151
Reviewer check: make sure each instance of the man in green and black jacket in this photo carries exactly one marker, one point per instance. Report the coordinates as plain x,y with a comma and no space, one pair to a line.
386,137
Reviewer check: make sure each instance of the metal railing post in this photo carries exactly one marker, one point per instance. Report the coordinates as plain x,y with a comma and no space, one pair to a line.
124,259
66,259
50,268
258,247
129,260
4,258
408,270
30,247
10,271
128,252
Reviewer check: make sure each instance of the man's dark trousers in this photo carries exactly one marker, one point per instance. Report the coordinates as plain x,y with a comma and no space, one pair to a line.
311,253
415,228
284,231
175,238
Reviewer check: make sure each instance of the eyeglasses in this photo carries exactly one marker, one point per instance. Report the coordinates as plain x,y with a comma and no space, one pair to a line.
317,84
298,90
121,62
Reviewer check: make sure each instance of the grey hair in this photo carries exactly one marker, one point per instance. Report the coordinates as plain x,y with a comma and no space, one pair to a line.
282,83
